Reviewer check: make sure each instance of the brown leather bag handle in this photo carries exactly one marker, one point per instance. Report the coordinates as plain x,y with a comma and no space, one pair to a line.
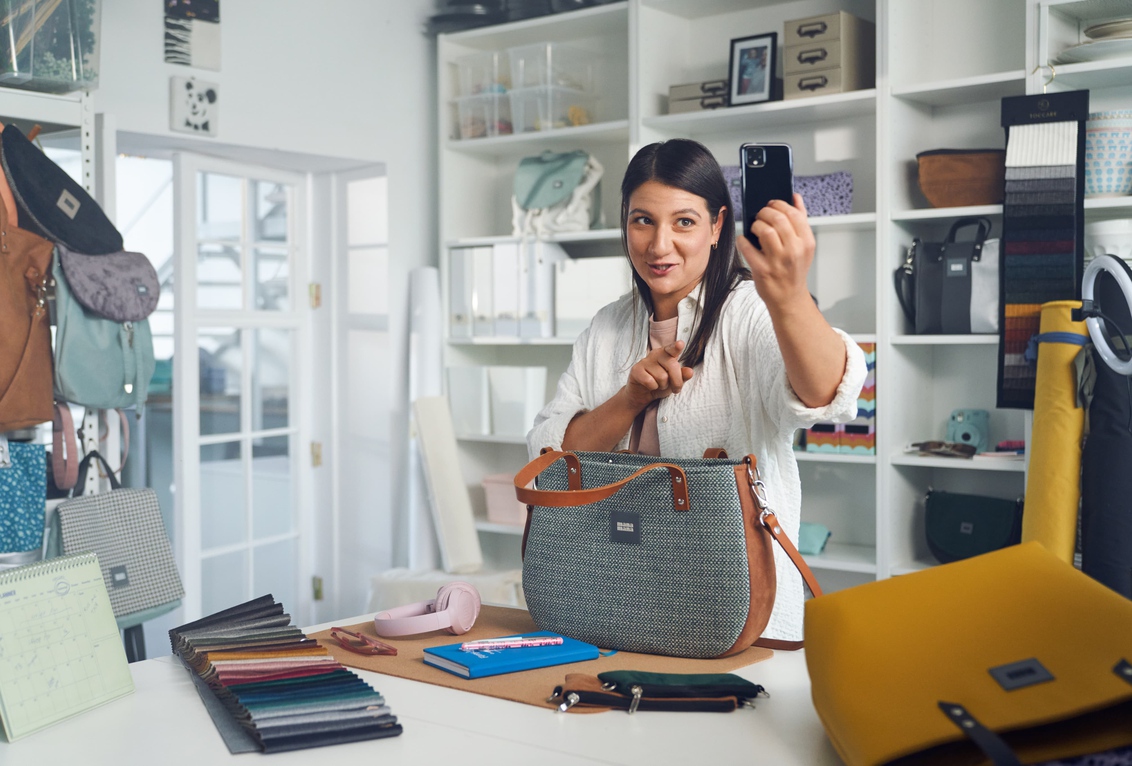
770,522
579,496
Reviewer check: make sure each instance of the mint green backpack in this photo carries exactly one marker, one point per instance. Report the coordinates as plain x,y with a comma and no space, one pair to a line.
98,362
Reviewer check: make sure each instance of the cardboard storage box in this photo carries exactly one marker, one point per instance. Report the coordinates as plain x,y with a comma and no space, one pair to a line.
697,90
697,104
834,53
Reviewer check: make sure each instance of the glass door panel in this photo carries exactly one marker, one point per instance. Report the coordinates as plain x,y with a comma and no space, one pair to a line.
223,496
221,360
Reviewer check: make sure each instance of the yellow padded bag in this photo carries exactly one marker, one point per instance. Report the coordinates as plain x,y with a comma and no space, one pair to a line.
1053,481
883,656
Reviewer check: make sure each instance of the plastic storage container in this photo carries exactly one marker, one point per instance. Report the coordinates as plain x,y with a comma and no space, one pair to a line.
485,115
502,505
558,64
549,107
486,72
49,46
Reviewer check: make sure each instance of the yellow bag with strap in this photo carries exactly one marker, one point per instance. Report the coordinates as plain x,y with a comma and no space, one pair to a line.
1009,657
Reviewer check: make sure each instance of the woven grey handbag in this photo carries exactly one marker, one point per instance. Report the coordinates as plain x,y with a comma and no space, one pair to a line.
665,557
124,527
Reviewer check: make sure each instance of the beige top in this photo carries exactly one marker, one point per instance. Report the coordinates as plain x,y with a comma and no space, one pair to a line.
646,437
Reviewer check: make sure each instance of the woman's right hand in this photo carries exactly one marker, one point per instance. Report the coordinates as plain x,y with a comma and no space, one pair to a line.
658,375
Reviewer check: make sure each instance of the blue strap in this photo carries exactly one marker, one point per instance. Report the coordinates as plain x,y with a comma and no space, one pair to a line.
1072,338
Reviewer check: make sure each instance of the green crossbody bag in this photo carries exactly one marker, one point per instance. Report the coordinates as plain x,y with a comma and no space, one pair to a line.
959,526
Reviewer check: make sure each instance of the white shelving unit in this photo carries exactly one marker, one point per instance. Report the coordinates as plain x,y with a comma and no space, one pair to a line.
942,68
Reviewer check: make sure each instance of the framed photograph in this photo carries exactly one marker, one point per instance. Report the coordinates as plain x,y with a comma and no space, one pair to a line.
752,68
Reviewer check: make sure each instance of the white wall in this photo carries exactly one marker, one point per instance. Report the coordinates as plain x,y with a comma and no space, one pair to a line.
346,78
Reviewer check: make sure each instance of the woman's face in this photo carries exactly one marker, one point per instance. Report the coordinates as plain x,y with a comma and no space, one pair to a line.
670,233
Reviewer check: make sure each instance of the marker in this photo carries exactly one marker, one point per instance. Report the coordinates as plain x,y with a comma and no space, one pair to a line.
514,642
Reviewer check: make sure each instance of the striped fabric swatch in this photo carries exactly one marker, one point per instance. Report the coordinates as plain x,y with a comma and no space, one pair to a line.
1039,258
283,690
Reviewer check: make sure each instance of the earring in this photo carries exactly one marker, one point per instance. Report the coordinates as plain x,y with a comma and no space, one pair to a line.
713,245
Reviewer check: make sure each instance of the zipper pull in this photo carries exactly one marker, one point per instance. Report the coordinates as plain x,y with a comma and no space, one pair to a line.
130,333
637,690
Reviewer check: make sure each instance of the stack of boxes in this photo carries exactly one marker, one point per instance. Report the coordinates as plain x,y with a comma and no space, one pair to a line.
696,96
858,436
834,53
526,88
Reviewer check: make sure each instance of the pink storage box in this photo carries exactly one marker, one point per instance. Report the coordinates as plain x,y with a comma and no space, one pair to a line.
502,505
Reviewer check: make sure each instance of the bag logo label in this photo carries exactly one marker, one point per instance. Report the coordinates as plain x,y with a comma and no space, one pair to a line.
69,204
1019,675
956,267
966,528
625,527
118,576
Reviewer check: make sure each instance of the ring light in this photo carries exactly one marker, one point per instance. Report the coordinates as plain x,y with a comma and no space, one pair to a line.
1123,276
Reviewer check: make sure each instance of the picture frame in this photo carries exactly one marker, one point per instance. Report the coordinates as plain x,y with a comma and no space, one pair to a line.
752,69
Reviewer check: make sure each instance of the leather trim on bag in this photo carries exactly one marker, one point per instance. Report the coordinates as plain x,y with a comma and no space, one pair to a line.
577,496
760,567
779,644
715,453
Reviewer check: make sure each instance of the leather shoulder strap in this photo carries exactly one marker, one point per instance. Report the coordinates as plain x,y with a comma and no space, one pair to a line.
64,448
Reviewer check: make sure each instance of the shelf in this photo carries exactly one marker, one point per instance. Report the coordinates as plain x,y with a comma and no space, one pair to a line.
499,529
1108,208
593,235
966,90
560,139
931,213
598,21
488,340
1003,465
945,340
698,9
850,222
1110,73
839,106
831,457
910,567
52,112
845,557
492,438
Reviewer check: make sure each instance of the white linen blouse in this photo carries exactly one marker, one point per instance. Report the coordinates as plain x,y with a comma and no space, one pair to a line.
739,399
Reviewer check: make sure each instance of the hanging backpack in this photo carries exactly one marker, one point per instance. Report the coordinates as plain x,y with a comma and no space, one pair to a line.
555,193
99,362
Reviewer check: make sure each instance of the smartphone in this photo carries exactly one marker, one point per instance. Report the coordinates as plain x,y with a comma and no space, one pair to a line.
768,173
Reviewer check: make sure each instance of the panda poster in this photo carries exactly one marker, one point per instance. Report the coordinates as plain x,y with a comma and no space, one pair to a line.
193,106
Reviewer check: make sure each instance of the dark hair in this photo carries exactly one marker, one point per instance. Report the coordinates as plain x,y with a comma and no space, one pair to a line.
688,165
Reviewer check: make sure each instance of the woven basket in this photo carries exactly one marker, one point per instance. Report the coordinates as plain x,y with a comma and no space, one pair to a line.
955,177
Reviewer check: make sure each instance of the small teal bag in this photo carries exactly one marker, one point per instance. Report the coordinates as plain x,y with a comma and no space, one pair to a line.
98,362
23,493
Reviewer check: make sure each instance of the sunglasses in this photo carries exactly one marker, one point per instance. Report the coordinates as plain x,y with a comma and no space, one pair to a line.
368,646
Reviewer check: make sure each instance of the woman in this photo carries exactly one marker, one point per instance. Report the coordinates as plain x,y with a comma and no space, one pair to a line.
703,354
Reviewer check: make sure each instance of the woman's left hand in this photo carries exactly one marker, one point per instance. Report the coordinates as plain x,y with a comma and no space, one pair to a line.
786,249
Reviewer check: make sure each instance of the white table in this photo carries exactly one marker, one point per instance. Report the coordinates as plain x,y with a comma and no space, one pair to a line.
164,722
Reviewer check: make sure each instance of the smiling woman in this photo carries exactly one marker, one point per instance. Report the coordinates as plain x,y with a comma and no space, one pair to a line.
719,345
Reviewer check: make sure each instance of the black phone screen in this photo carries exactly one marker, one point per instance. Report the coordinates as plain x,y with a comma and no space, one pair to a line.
768,174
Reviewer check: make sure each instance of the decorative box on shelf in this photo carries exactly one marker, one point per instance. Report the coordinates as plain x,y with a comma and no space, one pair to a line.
833,53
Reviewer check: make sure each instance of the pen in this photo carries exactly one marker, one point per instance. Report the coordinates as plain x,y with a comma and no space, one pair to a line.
514,642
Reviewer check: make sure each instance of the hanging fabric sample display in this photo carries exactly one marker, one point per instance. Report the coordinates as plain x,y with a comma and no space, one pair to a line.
1106,481
1053,485
1042,225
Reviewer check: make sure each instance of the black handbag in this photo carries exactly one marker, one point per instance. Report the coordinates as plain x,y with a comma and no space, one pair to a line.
951,287
960,526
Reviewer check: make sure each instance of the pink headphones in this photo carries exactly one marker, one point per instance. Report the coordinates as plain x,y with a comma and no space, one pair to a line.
454,609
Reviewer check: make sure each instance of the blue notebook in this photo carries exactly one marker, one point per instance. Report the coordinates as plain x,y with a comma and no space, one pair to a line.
492,662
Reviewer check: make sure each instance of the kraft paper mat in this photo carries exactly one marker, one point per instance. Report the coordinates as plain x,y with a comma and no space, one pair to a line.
529,686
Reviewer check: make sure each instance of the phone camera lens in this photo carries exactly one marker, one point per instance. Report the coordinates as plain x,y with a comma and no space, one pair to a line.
756,157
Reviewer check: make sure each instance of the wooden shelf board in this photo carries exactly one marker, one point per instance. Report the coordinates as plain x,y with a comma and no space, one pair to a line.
966,90
1003,465
945,340
838,106
931,213
561,139
845,557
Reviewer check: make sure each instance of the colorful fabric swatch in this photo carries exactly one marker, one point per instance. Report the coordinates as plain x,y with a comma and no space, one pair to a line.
1041,251
281,689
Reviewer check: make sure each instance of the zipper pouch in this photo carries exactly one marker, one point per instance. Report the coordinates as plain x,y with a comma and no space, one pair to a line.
633,690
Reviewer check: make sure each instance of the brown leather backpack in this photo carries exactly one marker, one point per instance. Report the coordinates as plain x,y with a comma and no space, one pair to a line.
25,343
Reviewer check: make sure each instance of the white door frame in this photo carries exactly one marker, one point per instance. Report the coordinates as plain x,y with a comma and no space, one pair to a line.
186,367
